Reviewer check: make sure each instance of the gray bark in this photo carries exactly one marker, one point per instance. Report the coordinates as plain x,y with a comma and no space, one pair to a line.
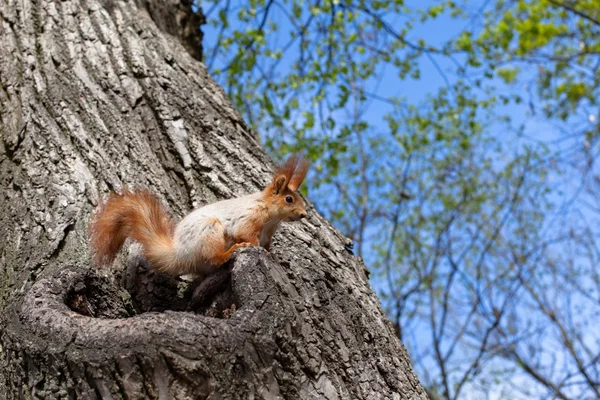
98,95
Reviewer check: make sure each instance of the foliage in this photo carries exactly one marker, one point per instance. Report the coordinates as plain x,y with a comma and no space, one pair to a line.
480,231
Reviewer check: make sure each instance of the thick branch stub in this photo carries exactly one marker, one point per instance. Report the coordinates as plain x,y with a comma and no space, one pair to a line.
162,349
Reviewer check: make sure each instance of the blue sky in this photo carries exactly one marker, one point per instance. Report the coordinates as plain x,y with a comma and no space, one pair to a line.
415,92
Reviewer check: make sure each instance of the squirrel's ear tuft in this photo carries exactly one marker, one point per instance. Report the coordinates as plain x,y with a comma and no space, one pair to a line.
299,174
294,170
279,184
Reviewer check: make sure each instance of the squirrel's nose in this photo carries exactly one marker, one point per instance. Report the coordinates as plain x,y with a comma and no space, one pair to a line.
302,215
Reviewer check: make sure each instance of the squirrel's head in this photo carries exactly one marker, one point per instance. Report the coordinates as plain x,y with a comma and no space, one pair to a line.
282,191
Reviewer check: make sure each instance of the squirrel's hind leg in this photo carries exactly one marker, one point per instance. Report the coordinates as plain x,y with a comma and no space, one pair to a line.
214,243
222,258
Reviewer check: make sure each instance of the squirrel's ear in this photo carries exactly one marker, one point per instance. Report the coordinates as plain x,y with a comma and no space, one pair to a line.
279,184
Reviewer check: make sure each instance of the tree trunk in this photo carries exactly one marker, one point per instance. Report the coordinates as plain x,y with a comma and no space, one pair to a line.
99,95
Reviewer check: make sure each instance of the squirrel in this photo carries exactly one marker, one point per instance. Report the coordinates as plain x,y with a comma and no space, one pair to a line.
206,238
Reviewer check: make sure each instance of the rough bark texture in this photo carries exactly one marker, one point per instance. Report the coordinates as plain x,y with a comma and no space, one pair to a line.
98,95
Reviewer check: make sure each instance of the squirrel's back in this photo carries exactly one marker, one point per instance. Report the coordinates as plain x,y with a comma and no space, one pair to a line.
232,213
140,216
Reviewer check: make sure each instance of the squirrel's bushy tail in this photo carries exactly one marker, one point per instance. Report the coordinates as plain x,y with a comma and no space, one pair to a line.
137,215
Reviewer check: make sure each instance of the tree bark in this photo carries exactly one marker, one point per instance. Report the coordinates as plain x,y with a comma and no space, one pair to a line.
99,95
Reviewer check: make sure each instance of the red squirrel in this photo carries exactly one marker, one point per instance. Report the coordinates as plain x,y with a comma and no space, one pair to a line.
206,238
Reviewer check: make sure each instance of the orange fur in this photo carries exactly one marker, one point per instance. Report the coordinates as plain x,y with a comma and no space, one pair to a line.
139,216
221,258
250,231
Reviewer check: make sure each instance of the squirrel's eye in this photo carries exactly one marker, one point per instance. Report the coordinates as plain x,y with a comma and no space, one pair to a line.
289,199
